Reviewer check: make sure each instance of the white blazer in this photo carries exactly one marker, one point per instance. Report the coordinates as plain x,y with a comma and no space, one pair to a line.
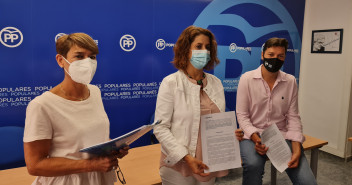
178,106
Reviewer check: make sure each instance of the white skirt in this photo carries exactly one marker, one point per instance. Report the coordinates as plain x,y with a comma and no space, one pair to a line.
90,178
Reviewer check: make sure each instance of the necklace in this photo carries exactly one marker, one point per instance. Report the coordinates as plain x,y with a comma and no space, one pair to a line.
199,82
72,97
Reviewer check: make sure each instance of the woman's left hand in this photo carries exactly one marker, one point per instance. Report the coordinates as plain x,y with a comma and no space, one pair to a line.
296,155
122,152
196,165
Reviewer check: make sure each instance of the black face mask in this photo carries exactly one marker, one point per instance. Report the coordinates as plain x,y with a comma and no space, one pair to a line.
273,64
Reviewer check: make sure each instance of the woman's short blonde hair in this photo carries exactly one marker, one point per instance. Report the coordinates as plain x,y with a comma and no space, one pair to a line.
65,42
183,45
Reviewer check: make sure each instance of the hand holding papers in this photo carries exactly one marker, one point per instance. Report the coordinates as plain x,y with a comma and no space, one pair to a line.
220,148
116,144
279,152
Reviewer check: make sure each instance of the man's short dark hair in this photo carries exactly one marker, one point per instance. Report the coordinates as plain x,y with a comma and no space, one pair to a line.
278,42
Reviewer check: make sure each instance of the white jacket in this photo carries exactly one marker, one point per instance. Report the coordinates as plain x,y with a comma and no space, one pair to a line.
178,106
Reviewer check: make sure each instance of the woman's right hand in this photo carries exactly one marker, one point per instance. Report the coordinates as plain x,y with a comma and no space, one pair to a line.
196,165
103,164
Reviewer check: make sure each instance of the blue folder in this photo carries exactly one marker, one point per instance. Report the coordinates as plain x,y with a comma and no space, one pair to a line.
116,144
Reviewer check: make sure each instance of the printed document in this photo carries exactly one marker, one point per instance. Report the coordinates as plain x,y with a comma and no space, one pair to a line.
114,145
220,148
279,152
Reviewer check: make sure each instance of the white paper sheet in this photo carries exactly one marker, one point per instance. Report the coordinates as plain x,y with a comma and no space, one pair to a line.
220,148
279,152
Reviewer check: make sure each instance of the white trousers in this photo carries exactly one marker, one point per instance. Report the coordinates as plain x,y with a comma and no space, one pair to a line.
170,176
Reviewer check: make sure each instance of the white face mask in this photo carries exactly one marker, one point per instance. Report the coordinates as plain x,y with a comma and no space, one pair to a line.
82,71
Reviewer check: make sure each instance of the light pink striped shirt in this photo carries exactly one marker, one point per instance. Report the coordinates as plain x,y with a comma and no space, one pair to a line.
257,107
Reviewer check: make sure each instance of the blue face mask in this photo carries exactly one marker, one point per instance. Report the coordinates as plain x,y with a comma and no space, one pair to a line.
200,58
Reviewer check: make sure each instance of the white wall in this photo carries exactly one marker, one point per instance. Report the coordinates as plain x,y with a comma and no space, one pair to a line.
325,79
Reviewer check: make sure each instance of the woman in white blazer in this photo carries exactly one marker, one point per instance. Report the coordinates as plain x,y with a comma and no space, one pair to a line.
183,97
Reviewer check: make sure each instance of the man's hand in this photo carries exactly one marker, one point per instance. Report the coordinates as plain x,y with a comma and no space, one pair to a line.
296,155
259,147
239,134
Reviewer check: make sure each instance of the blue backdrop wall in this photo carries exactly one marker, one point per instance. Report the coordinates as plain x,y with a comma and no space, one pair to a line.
136,39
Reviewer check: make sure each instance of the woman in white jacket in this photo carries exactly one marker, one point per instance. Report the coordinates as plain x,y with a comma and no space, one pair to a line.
183,97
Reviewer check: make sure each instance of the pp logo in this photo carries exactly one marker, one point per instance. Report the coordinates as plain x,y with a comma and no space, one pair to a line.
59,35
267,64
233,47
160,44
11,37
127,43
233,66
